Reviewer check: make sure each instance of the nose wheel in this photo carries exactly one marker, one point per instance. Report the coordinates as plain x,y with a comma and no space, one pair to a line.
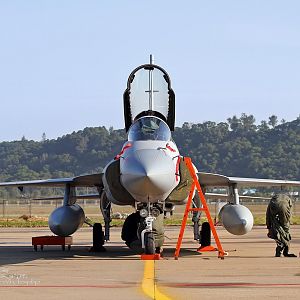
149,243
147,236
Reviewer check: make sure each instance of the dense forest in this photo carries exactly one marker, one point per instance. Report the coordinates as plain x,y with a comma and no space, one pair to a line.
237,147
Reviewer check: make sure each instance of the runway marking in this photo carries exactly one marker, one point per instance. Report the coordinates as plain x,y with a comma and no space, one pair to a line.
149,285
97,286
230,284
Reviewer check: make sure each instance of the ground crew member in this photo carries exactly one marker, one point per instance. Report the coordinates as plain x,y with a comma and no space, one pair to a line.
278,218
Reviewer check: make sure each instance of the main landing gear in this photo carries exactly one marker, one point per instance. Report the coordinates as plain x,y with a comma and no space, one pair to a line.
99,237
196,218
105,207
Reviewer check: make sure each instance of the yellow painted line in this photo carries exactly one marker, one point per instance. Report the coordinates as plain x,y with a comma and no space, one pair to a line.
149,286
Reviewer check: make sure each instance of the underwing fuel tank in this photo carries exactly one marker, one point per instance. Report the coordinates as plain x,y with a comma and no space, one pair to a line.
236,218
65,220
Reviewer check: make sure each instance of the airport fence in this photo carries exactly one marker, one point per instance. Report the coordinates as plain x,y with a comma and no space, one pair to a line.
15,208
41,208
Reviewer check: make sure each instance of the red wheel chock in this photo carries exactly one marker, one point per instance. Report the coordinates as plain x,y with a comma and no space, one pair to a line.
155,256
207,249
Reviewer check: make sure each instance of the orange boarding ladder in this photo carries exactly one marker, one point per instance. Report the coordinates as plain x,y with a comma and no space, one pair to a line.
196,184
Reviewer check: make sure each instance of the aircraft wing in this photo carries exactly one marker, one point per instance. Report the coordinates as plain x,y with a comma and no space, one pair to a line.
79,181
217,180
215,196
84,197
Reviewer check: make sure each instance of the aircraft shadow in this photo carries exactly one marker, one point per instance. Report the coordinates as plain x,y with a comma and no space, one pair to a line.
21,254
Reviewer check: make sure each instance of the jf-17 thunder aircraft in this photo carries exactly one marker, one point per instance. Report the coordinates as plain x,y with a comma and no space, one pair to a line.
148,174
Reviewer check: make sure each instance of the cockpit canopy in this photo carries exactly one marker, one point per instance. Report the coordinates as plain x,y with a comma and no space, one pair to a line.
149,93
149,128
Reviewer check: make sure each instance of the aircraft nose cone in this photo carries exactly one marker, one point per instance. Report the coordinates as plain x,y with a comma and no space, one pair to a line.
148,174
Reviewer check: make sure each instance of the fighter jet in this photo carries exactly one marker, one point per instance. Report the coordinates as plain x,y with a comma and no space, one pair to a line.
148,173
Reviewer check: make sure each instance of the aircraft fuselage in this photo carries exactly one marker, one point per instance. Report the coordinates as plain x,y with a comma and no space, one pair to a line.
148,163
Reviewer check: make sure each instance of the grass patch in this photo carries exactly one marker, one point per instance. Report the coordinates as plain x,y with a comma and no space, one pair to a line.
261,220
43,222
20,222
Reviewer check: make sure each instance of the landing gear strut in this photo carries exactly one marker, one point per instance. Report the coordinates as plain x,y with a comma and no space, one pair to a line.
196,217
105,206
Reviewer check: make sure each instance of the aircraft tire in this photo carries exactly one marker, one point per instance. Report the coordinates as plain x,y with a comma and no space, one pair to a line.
149,243
98,238
205,235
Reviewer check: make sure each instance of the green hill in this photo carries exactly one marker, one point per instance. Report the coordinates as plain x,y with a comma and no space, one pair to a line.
237,147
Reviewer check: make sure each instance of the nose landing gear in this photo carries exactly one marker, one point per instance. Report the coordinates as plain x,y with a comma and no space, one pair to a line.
143,230
151,229
147,236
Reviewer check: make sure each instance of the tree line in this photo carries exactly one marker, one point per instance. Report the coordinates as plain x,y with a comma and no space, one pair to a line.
237,147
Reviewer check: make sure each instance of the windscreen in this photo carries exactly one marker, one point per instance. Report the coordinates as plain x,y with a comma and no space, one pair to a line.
149,128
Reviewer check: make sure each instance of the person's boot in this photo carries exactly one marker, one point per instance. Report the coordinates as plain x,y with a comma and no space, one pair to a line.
286,252
278,251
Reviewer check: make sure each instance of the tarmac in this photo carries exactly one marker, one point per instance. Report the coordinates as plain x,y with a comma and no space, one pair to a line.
249,271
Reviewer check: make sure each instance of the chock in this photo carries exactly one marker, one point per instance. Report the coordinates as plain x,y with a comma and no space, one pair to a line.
155,256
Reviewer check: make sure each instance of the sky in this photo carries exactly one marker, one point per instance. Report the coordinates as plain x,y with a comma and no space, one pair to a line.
64,64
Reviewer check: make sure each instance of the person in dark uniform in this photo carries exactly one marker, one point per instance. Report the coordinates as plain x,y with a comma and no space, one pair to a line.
278,218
